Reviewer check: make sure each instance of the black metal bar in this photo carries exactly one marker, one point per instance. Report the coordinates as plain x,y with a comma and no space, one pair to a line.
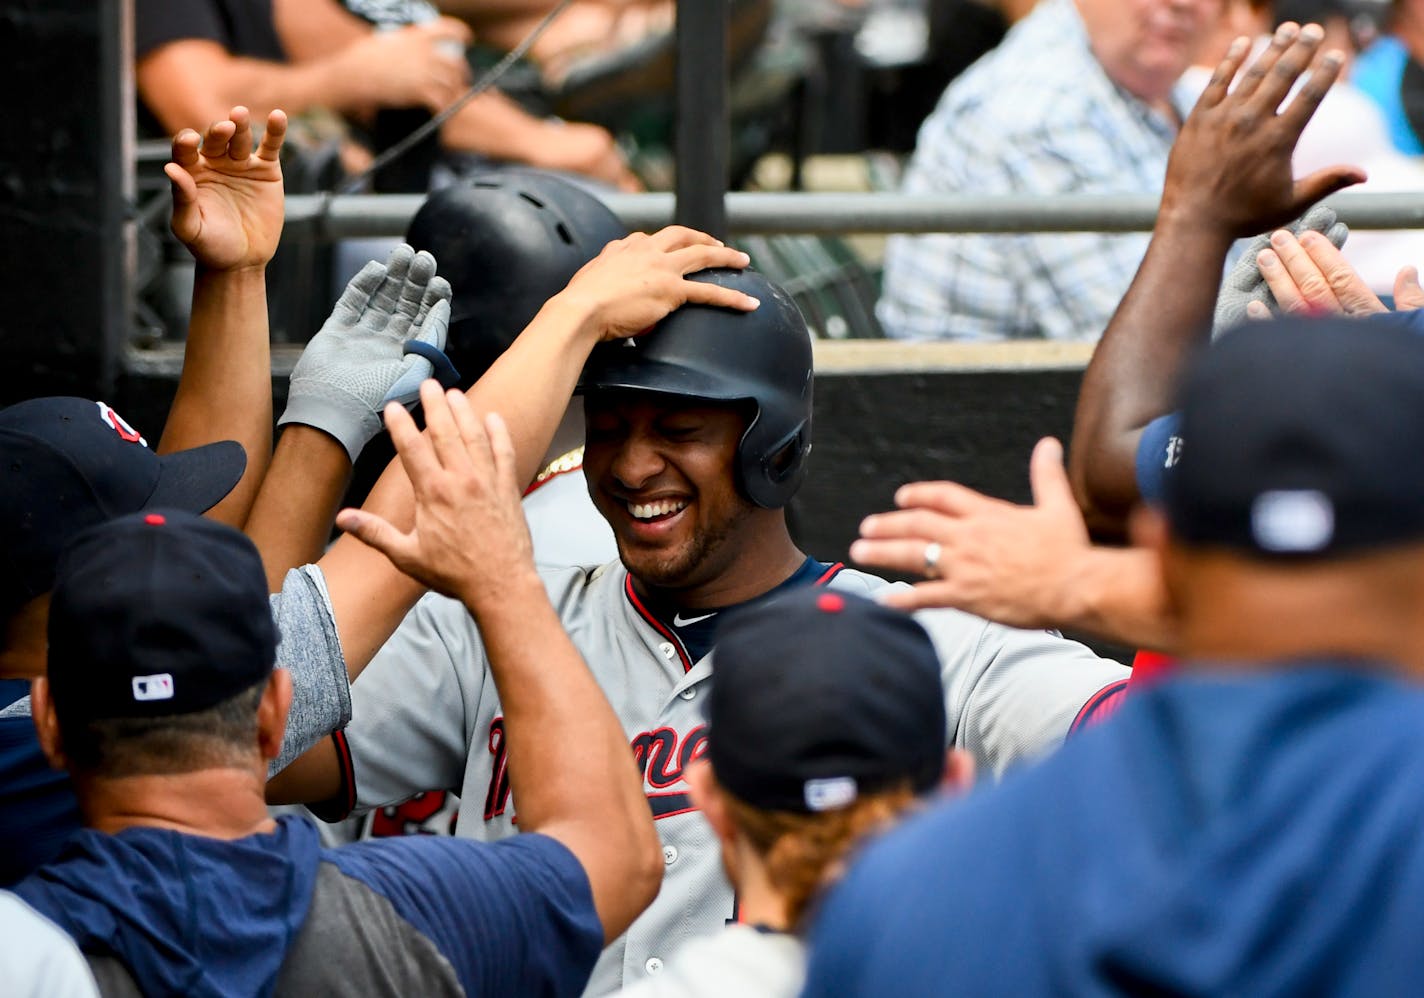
703,132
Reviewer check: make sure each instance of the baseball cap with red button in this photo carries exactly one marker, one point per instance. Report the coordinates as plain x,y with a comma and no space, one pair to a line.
819,697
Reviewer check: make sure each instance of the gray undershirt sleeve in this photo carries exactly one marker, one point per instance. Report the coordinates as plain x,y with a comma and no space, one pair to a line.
311,652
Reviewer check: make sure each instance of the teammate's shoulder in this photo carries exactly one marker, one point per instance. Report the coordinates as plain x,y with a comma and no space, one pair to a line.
853,580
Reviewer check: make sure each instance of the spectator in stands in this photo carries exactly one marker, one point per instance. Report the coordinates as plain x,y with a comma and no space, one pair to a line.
824,727
194,59
163,703
1391,72
1078,99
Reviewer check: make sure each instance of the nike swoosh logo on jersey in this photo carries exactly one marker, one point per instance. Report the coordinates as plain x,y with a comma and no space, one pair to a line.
678,621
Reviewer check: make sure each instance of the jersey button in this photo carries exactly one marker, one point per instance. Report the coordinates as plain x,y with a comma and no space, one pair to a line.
653,966
669,652
669,855
688,693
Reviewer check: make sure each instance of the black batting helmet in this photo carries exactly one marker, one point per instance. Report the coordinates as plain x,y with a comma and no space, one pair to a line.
702,352
507,242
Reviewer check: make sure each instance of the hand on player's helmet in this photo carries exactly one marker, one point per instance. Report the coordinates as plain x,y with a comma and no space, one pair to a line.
1251,279
228,203
1230,167
470,539
361,358
1009,563
635,282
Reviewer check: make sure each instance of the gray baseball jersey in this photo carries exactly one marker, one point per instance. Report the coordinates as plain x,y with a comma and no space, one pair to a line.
425,714
565,525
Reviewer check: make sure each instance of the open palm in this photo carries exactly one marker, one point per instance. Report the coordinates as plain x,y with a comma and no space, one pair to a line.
228,201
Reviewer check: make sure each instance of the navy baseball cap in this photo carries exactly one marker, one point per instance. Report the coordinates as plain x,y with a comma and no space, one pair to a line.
1302,440
71,463
155,614
819,697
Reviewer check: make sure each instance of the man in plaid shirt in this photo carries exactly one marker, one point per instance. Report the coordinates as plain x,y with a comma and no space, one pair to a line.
1078,98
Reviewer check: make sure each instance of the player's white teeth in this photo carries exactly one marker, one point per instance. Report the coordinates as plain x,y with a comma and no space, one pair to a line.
647,511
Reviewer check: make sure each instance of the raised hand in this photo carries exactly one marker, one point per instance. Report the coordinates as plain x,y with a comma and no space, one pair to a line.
637,281
228,203
1231,163
470,539
1013,564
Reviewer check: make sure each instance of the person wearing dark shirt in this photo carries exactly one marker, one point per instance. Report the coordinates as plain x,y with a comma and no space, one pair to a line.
163,703
1249,823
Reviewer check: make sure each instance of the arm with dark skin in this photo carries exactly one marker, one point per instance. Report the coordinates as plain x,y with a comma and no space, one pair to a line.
228,208
1229,175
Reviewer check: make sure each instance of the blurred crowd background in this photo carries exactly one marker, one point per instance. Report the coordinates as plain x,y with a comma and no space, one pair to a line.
826,95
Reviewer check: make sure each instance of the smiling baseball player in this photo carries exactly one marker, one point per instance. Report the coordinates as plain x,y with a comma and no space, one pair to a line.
698,436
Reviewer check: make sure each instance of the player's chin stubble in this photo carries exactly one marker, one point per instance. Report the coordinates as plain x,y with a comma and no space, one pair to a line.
687,564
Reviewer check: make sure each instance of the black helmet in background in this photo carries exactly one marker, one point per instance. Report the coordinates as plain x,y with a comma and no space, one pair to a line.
507,242
702,352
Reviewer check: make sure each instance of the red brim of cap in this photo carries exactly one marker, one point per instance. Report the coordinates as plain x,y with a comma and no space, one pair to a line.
198,479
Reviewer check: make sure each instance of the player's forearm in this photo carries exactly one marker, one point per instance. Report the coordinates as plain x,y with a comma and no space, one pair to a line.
225,391
530,385
588,796
292,516
494,126
1118,594
1163,318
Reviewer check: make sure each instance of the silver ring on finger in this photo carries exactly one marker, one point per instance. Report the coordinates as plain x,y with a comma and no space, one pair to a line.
932,553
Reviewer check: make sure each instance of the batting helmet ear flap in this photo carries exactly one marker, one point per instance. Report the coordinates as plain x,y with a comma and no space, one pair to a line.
771,473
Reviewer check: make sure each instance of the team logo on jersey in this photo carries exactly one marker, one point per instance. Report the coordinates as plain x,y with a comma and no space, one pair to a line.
662,756
118,424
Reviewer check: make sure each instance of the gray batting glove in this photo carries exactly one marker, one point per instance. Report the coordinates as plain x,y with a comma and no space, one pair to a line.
364,355
1244,284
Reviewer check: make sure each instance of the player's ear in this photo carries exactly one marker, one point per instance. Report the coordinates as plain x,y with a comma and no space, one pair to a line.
46,722
958,772
272,713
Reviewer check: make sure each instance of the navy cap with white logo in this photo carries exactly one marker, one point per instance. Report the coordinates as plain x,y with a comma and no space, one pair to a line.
70,463
1302,440
155,614
819,697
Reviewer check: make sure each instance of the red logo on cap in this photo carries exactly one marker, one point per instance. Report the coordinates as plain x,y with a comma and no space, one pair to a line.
830,603
118,424
155,519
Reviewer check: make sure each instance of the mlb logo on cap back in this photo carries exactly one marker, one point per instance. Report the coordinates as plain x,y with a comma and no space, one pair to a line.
1302,520
157,687
831,793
